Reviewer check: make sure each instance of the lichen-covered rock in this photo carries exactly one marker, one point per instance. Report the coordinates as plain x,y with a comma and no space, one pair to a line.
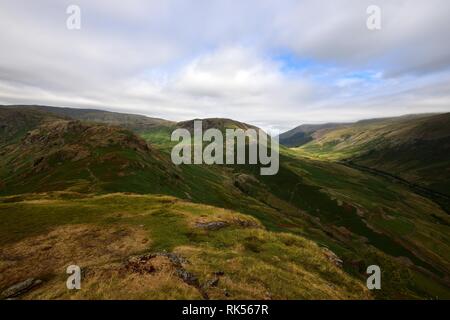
213,225
332,257
20,288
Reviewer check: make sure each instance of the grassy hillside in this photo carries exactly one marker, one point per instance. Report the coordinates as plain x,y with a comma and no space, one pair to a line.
305,133
362,217
60,183
120,241
216,123
414,148
133,122
16,122
67,154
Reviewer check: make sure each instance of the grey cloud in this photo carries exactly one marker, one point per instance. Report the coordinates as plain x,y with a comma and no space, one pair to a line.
180,59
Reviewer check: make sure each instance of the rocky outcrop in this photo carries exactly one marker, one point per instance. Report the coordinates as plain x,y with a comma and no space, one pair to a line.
217,225
139,263
332,257
213,225
246,183
142,264
20,288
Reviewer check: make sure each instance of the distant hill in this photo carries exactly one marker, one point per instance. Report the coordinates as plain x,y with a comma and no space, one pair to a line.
16,122
134,122
414,147
307,132
304,133
60,154
216,123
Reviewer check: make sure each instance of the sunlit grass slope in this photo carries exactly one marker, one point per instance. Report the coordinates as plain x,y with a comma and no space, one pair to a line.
415,148
101,233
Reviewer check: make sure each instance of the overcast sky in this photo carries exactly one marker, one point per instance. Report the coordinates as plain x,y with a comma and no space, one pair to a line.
275,64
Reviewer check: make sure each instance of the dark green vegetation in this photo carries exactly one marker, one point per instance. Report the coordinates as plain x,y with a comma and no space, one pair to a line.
56,173
71,155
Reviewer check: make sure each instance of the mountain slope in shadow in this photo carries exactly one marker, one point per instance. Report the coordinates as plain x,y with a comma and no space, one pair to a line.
59,154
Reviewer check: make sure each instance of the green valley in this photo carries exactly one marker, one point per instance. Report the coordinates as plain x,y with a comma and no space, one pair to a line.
102,186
